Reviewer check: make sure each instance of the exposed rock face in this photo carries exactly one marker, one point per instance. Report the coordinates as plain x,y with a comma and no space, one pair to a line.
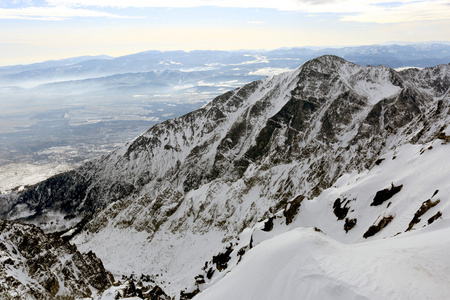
374,229
426,205
292,208
39,266
386,194
217,170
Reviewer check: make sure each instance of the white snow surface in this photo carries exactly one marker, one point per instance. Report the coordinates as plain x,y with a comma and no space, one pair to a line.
376,84
305,264
296,261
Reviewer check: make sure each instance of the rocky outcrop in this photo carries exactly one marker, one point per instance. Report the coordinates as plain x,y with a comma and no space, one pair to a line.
426,205
374,229
39,266
385,194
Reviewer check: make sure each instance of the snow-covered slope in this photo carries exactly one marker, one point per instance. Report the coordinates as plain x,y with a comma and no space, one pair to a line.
171,199
316,254
305,264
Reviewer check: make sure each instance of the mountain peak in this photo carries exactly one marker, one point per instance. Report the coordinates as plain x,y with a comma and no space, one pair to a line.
326,62
329,58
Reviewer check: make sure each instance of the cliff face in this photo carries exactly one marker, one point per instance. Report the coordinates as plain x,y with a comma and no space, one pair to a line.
189,184
39,266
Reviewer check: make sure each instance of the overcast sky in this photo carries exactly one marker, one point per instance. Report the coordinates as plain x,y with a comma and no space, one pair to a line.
37,30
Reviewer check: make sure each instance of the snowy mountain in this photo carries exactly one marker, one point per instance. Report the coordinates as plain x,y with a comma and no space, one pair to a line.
332,145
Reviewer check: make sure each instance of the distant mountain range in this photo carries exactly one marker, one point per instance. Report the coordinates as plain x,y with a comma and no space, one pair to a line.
394,56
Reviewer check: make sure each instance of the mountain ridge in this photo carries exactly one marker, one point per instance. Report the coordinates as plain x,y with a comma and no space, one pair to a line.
202,178
418,55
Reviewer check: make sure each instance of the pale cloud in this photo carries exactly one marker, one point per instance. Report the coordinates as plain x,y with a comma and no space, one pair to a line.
51,13
376,11
414,11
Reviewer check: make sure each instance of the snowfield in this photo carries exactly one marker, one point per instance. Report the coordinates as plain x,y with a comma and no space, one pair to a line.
306,264
314,258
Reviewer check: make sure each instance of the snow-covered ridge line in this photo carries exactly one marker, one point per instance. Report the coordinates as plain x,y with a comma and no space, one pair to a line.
307,263
420,225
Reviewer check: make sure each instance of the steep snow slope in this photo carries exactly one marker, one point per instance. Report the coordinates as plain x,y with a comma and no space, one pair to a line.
305,264
169,200
405,258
